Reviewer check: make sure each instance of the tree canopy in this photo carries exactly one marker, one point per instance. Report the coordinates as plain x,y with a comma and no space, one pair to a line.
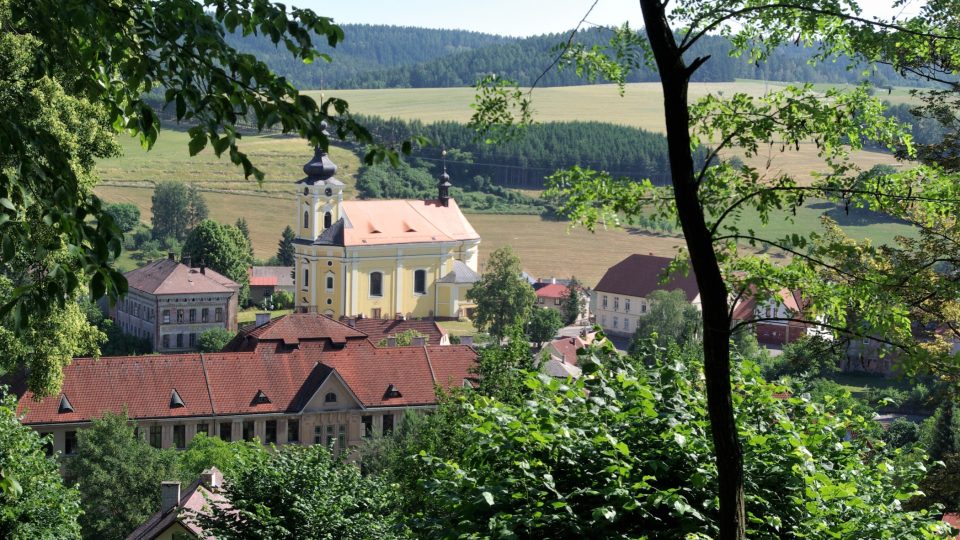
670,318
222,248
285,249
503,297
543,325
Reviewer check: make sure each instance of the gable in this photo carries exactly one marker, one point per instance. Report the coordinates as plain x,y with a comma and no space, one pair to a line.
334,384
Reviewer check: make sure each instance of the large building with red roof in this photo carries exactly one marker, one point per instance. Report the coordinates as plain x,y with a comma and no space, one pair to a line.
380,258
171,303
303,378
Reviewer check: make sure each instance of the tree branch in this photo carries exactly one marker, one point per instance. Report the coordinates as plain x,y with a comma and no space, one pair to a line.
564,48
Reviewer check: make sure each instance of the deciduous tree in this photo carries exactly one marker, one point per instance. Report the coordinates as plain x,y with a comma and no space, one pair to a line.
543,325
125,215
222,248
176,209
214,339
670,318
502,296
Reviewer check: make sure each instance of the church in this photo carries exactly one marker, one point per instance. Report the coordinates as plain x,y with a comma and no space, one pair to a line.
380,258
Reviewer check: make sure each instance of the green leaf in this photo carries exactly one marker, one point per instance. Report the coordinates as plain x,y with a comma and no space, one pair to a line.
487,496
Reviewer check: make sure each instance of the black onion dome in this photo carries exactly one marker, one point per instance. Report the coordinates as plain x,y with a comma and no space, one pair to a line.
445,179
320,167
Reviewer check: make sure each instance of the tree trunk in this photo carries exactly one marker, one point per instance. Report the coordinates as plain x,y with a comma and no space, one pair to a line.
674,77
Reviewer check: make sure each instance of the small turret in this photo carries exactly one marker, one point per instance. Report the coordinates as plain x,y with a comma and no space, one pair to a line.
320,167
443,187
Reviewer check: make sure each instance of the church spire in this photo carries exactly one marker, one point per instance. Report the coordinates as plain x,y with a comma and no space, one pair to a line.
443,187
321,167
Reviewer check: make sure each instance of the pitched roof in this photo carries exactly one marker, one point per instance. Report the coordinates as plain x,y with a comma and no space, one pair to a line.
553,290
195,498
294,328
461,273
746,307
378,329
167,276
377,222
227,383
639,275
281,276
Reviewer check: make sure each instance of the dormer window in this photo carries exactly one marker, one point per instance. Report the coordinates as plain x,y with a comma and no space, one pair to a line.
175,400
65,406
392,392
330,398
260,398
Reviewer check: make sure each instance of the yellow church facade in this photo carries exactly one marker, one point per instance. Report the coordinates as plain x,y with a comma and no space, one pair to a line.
380,258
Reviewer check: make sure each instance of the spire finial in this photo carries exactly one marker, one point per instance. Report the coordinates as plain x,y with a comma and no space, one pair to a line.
443,187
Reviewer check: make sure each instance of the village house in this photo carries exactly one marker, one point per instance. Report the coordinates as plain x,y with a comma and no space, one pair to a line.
558,358
171,303
380,258
621,297
175,520
299,379
772,318
553,295
267,280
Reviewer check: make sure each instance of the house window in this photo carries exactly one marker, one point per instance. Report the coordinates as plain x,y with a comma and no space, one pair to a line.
318,435
271,432
226,431
330,398
306,219
376,284
205,315
156,436
387,424
70,443
329,283
193,315
218,315
626,323
626,305
293,430
556,301
615,321
367,422
603,320
180,437
327,220
616,303
341,438
165,341
179,315
330,438
420,282
604,301
248,432
203,428
193,340
166,316
540,300
179,341
306,278
643,308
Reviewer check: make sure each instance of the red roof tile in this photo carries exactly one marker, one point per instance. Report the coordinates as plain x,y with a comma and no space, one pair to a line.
293,329
167,276
639,275
553,290
378,329
263,281
452,364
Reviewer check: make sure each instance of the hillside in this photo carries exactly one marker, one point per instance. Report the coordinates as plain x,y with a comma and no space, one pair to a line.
378,56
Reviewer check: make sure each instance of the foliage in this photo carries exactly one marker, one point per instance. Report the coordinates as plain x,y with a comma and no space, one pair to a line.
125,215
286,251
543,325
282,300
224,249
809,356
118,475
244,229
214,339
35,503
502,296
901,433
404,338
669,319
944,441
625,452
117,343
941,486
176,209
304,492
49,344
500,368
204,452
572,306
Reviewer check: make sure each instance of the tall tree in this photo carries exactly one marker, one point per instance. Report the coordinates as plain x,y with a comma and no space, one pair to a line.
839,276
119,477
285,250
543,325
79,72
572,306
670,319
503,297
244,229
943,441
222,248
125,215
176,209
34,502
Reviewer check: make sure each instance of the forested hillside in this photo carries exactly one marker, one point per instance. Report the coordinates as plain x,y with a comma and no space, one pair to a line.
374,56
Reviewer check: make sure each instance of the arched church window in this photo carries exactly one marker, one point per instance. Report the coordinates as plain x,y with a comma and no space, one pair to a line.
327,220
306,219
306,278
376,284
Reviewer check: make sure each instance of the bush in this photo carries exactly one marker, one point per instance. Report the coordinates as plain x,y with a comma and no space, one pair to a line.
214,340
902,432
282,300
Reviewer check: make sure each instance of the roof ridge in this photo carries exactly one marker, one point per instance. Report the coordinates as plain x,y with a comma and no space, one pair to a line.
433,375
206,378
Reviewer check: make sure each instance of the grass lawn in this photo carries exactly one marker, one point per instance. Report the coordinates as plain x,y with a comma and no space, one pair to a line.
859,383
249,315
458,328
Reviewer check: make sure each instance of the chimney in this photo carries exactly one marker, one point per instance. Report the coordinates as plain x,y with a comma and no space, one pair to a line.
203,269
351,322
262,319
553,281
211,478
391,342
185,259
171,255
169,495
466,340
417,342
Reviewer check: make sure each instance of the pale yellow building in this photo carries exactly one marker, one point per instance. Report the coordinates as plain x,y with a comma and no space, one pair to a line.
380,258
